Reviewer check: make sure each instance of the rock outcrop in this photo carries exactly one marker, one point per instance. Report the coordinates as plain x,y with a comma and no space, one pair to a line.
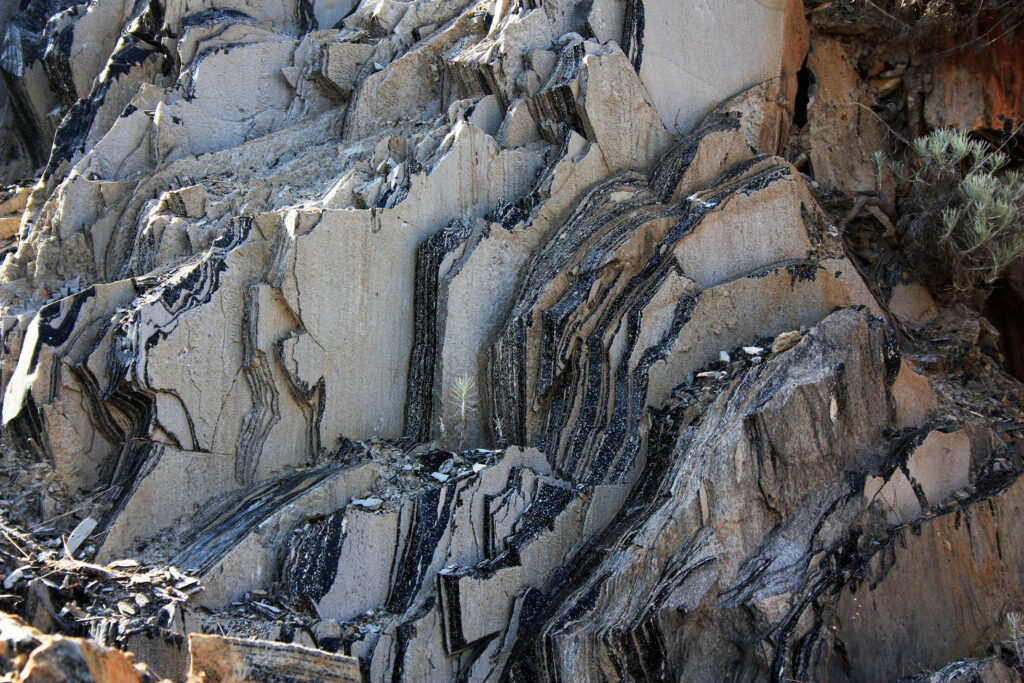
482,341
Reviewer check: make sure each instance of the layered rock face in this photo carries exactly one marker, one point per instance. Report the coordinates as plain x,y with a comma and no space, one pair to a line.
491,340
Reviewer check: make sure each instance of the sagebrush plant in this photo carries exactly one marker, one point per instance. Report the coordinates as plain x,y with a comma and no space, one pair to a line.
1015,630
463,397
963,214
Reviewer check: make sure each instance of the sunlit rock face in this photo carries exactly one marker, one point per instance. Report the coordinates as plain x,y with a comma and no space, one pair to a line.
453,323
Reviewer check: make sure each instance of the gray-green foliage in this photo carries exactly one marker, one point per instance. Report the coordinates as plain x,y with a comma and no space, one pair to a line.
967,208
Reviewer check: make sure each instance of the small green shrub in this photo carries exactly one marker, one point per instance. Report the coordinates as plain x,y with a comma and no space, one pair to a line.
963,215
1015,631
463,397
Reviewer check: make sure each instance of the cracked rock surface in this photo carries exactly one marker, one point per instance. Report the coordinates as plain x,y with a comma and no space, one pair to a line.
442,340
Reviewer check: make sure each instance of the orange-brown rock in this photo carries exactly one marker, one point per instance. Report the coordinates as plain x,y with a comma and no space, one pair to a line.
979,85
55,659
962,570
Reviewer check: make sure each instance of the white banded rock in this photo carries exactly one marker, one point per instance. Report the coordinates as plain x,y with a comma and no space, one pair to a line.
594,90
485,536
596,324
694,548
170,485
60,400
238,545
356,560
475,600
268,239
366,258
410,86
338,66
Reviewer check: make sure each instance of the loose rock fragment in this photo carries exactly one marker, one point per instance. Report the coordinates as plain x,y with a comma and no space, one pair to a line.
78,536
711,375
785,341
11,580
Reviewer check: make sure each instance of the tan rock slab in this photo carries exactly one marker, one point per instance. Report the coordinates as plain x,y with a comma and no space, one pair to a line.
941,465
14,201
914,397
912,302
842,130
962,576
9,226
222,659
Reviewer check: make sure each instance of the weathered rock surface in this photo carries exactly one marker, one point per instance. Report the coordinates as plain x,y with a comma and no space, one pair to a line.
36,656
773,33
838,113
219,659
974,89
441,340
